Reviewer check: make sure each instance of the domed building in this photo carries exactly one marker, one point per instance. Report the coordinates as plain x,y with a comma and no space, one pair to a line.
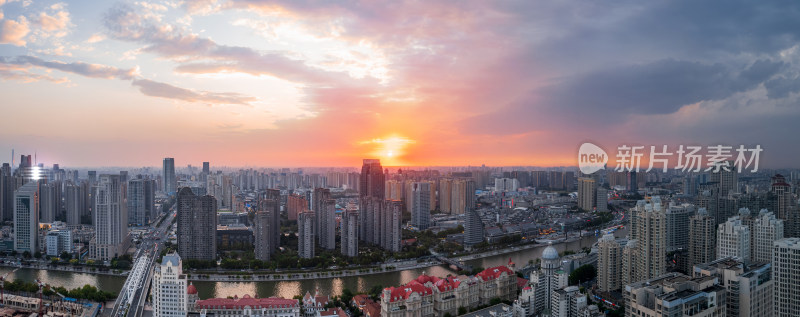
191,297
543,282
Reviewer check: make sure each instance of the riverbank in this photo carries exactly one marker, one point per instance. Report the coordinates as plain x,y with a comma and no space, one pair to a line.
273,276
66,268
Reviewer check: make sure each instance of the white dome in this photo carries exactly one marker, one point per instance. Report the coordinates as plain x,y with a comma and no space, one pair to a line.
550,253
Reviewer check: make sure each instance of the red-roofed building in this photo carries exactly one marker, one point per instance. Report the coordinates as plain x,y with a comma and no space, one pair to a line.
249,307
332,312
432,296
499,281
361,300
314,304
413,298
521,282
372,309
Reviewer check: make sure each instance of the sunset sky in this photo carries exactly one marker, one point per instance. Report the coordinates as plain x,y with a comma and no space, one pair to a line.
307,83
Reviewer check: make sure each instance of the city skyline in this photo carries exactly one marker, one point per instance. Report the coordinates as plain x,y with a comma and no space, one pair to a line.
243,83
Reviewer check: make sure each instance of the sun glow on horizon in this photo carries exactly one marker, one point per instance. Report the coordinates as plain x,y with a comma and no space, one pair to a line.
390,150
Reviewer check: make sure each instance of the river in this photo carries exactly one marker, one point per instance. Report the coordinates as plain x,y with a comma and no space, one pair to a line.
288,289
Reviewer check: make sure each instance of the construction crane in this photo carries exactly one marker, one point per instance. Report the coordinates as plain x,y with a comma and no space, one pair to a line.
3,285
41,287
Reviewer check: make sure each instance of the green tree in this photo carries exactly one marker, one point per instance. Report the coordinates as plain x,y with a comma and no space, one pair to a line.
584,273
66,256
462,311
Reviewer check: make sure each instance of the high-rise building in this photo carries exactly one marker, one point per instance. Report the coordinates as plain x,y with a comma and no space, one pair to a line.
6,193
420,202
648,228
327,224
473,227
609,264
74,203
445,195
678,226
49,202
726,180
629,253
197,225
602,199
749,287
349,233
785,206
702,238
325,217
786,277
272,201
295,204
58,241
206,168
305,234
110,218
390,225
169,288
262,230
587,193
567,302
372,182
462,195
765,230
170,181
675,294
141,201
733,240
26,218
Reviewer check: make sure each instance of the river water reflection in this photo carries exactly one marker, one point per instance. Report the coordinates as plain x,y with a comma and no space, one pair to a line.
289,289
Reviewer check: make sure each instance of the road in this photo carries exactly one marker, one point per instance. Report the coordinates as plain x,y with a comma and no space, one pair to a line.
133,295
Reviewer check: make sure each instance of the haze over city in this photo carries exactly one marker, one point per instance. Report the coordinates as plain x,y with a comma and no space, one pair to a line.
287,83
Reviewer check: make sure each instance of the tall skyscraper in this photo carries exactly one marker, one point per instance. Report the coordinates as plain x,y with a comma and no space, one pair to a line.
206,168
110,218
295,204
49,202
327,224
587,193
473,227
649,230
169,287
272,201
727,181
445,195
420,202
372,187
305,234
141,201
733,240
197,225
786,276
373,181
786,206
26,218
74,203
702,238
262,230
170,181
6,193
765,230
349,233
609,264
677,217
390,227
